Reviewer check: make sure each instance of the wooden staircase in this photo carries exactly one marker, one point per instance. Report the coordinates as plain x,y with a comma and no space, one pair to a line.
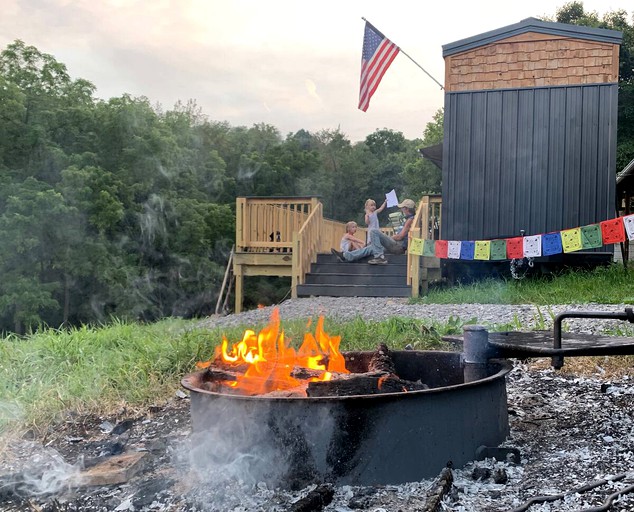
330,277
289,237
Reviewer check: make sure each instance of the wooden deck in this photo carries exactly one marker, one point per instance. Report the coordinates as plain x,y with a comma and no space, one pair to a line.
282,236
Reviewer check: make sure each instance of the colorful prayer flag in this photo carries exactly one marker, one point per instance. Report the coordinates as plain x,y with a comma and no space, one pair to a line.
612,231
441,247
453,249
551,244
571,240
416,246
515,248
591,237
482,250
628,222
532,246
466,250
377,55
429,248
498,249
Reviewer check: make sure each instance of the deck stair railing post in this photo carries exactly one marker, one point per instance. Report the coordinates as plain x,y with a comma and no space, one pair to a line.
306,244
426,225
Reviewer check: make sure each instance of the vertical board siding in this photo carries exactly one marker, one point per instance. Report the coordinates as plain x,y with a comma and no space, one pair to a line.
493,170
539,160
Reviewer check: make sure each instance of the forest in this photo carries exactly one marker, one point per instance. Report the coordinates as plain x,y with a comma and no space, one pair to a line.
123,209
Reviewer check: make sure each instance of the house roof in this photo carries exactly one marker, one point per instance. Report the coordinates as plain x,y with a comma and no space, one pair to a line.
625,180
433,154
533,25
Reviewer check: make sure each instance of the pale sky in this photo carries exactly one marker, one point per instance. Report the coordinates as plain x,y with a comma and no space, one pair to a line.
291,64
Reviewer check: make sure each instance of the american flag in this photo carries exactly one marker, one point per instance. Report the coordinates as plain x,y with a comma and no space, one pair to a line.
378,54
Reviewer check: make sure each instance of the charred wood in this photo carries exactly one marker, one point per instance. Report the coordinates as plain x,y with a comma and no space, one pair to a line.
439,489
381,360
315,500
213,374
371,383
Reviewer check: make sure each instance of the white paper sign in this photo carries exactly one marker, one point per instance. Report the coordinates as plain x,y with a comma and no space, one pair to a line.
453,249
391,198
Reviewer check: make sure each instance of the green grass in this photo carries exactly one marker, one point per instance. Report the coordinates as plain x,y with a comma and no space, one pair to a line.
604,285
52,373
93,369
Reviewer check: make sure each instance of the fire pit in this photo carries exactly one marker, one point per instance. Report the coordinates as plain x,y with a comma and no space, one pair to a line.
362,439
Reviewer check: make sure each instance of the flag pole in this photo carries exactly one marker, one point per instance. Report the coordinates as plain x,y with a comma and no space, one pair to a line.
401,50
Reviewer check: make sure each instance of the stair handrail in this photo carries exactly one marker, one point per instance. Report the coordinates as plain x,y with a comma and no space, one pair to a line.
306,243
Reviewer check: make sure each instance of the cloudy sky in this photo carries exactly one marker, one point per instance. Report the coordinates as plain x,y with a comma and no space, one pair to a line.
289,63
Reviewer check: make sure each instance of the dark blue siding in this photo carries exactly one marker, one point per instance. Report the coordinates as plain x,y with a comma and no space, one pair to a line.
539,160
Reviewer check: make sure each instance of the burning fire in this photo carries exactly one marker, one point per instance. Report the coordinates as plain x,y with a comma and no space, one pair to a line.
263,362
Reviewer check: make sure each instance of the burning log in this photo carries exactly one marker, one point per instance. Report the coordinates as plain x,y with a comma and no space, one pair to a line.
214,374
379,379
369,383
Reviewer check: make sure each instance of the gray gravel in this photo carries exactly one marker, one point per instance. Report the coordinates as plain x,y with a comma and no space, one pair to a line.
516,317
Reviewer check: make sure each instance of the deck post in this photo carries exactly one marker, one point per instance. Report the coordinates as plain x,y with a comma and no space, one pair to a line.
295,266
414,261
237,272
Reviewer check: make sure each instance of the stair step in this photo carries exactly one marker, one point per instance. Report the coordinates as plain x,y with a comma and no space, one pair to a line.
369,279
391,258
346,290
359,268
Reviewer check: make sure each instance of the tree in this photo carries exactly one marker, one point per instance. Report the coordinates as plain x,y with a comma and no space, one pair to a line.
421,176
38,224
575,14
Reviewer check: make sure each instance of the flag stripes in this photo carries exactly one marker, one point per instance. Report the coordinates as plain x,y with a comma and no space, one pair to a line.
377,55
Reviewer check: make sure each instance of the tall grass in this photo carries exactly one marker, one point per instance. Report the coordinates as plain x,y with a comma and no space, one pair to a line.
603,285
93,369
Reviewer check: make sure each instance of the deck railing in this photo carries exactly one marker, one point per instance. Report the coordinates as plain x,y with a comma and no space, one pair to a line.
306,244
426,225
266,224
294,227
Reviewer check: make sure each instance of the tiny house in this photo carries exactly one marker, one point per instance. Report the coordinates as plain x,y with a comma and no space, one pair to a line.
529,130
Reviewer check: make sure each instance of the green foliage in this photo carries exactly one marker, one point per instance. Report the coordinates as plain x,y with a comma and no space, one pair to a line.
574,13
92,369
421,176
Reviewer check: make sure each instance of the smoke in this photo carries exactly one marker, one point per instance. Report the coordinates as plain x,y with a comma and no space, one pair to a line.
152,220
52,475
240,449
43,472
10,413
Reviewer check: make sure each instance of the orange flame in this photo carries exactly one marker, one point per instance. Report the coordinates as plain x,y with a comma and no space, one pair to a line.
269,361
